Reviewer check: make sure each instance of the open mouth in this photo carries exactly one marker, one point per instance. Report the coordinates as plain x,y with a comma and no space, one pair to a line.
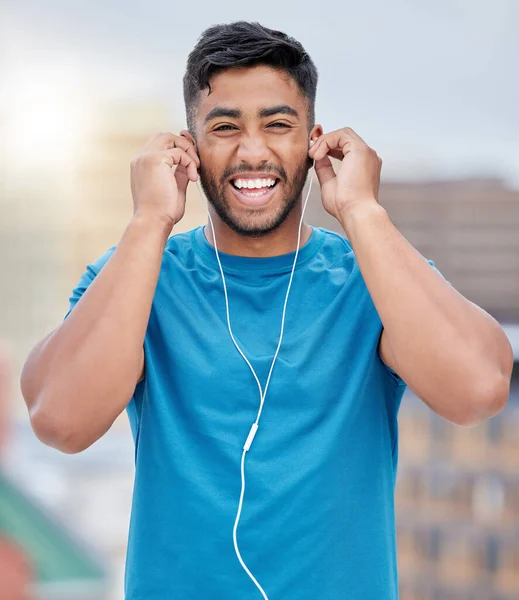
254,192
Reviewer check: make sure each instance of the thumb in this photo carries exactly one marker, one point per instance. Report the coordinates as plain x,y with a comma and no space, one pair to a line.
181,178
324,170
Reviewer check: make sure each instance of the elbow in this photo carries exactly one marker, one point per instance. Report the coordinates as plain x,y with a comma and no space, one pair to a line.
487,400
54,431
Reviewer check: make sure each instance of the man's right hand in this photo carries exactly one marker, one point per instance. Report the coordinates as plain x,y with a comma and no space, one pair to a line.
158,191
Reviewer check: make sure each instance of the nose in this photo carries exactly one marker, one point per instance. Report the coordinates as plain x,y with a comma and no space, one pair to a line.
253,149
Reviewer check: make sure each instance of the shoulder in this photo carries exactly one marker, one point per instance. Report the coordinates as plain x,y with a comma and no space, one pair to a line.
181,244
335,240
335,249
334,236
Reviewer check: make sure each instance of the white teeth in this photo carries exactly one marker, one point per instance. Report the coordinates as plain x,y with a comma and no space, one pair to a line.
254,183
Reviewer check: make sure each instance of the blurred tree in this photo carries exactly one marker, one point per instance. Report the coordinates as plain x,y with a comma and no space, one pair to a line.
16,571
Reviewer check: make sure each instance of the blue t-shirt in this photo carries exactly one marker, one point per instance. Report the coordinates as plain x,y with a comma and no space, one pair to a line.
317,520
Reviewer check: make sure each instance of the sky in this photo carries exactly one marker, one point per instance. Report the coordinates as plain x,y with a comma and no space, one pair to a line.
432,86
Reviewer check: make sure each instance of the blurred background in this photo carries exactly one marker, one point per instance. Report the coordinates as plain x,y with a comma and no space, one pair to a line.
432,87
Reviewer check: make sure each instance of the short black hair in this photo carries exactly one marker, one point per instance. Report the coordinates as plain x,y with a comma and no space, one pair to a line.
246,44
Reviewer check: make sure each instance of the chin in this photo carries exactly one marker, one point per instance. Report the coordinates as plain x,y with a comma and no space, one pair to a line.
255,222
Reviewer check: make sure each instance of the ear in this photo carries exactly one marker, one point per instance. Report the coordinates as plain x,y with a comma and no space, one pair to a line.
315,133
185,133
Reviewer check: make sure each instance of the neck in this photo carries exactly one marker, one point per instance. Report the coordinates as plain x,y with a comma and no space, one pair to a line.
280,241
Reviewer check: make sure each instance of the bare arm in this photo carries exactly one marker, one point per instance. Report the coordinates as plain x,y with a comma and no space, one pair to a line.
451,353
78,379
82,375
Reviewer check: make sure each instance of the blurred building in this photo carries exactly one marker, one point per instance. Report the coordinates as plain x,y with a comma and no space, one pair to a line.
457,499
469,227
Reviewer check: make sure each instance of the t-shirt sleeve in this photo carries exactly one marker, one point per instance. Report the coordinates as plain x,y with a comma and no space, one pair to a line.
431,262
92,270
397,379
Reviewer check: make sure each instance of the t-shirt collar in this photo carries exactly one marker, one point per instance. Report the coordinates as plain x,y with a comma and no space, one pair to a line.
281,263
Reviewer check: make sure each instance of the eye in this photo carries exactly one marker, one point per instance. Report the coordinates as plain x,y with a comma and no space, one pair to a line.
279,123
221,128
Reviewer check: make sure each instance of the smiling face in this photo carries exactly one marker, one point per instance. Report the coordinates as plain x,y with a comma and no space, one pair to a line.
253,140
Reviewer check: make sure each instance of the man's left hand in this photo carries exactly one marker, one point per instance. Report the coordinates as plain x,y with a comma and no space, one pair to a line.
358,177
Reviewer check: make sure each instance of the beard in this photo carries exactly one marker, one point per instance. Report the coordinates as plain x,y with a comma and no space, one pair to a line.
254,224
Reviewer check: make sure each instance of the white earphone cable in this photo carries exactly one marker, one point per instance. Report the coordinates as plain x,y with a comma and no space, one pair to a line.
254,427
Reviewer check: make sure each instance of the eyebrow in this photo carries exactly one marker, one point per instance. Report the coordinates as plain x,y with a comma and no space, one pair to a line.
234,113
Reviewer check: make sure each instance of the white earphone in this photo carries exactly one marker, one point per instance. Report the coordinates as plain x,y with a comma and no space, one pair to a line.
254,426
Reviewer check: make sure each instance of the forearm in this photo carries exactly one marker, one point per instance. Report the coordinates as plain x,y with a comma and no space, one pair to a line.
82,376
446,348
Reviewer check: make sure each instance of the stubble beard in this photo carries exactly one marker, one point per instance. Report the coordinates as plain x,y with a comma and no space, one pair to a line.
254,224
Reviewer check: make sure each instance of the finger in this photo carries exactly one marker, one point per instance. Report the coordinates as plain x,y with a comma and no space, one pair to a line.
182,178
178,141
193,172
189,172
177,156
337,153
335,144
324,170
170,140
353,134
164,141
185,134
326,143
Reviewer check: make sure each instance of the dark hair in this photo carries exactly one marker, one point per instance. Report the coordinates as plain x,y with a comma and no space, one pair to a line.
245,44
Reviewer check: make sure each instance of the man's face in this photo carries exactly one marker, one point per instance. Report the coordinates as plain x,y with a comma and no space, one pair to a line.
252,130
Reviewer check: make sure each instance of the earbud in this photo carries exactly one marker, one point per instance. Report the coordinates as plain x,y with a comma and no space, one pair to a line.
312,142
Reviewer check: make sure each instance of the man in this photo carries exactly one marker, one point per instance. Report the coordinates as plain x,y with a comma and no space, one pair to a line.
147,331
